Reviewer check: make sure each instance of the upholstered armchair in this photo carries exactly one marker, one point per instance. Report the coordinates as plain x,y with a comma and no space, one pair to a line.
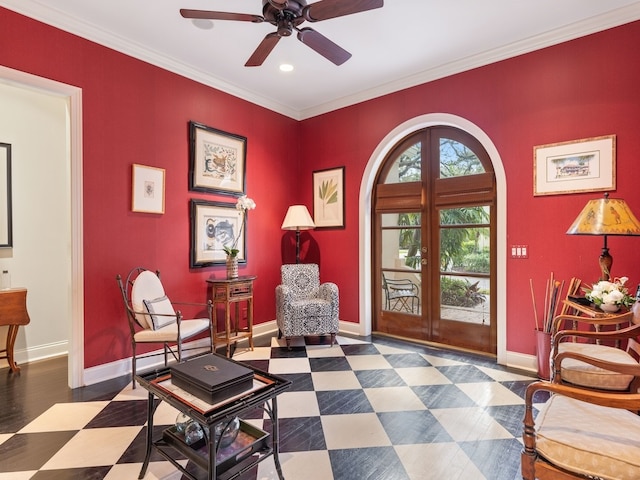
303,305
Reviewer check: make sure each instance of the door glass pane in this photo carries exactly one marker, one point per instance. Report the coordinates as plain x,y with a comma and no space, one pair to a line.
400,261
465,264
458,160
406,167
465,299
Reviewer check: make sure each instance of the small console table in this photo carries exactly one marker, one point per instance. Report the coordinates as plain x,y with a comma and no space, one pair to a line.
13,312
231,292
263,395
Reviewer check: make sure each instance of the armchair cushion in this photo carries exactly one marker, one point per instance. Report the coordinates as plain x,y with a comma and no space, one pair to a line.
146,286
303,305
589,439
161,312
586,375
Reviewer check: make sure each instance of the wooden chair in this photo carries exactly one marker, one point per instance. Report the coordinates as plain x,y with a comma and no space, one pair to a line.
620,330
580,433
152,318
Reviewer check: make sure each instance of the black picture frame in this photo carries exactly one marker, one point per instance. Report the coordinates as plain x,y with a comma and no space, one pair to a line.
214,224
217,160
6,209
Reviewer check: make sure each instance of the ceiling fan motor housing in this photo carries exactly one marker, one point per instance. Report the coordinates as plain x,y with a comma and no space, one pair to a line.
285,15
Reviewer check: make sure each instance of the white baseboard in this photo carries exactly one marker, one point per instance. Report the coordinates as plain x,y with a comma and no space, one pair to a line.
122,367
39,352
522,361
119,368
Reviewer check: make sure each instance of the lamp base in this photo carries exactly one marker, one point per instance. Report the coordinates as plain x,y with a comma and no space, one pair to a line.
605,260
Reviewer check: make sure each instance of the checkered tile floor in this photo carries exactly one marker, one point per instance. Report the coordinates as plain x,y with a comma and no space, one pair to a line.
384,410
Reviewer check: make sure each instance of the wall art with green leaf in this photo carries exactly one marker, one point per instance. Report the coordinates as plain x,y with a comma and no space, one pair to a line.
328,198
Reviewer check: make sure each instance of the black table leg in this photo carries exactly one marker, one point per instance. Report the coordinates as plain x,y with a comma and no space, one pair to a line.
274,422
151,408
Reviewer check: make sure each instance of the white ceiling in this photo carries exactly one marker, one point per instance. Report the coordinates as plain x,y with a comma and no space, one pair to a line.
402,44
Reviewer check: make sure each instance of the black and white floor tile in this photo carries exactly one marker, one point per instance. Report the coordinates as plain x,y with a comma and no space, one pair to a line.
384,410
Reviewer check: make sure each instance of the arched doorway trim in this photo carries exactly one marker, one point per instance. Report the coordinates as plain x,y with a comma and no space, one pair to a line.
366,187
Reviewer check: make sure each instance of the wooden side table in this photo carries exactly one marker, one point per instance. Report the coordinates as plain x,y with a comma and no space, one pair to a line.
13,312
232,292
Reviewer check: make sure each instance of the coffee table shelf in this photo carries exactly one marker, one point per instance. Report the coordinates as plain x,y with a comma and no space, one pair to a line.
266,388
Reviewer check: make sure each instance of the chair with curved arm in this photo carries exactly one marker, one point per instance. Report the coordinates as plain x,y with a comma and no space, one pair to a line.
580,433
568,357
152,318
401,295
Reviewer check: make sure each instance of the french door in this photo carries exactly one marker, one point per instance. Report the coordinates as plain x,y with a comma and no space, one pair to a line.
434,241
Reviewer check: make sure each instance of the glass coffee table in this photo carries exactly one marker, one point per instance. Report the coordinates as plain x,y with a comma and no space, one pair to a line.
251,446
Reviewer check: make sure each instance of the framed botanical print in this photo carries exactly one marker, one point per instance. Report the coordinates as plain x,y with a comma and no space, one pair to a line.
328,198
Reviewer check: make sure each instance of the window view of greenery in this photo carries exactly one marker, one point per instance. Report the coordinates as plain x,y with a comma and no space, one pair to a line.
464,236
464,259
407,167
457,160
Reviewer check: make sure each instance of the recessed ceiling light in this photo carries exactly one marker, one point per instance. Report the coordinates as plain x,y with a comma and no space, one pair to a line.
286,67
203,24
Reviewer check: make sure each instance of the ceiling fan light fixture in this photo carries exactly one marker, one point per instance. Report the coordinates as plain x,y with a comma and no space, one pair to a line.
286,67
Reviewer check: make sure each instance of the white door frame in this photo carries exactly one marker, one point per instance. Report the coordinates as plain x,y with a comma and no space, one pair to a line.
73,97
366,188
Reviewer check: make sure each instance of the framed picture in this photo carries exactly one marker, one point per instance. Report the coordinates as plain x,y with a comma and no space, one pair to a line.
6,211
587,165
328,197
216,160
148,189
215,225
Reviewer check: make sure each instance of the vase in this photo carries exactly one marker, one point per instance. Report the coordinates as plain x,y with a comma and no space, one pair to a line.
609,307
232,267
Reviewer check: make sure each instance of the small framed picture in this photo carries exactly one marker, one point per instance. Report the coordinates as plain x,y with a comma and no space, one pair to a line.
148,189
215,225
587,165
328,198
216,160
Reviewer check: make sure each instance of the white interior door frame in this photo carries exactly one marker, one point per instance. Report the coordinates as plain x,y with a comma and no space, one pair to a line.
73,96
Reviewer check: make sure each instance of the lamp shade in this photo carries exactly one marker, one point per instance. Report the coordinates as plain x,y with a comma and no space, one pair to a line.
605,216
298,218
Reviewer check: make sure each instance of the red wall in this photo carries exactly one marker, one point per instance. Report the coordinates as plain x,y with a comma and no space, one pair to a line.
580,89
137,113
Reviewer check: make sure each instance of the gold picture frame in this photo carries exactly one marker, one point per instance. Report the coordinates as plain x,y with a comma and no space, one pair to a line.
586,165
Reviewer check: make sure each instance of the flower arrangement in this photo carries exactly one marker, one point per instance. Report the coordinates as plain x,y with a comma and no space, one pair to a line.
244,203
610,293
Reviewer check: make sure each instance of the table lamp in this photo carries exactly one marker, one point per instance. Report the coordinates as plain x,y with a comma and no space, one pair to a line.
297,219
605,216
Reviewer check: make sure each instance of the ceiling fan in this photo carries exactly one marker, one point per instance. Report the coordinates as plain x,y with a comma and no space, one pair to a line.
287,16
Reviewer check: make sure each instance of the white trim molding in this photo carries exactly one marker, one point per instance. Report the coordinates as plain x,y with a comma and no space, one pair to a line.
366,187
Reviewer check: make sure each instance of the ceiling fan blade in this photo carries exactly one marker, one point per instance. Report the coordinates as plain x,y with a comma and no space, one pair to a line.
325,47
325,9
264,49
209,15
